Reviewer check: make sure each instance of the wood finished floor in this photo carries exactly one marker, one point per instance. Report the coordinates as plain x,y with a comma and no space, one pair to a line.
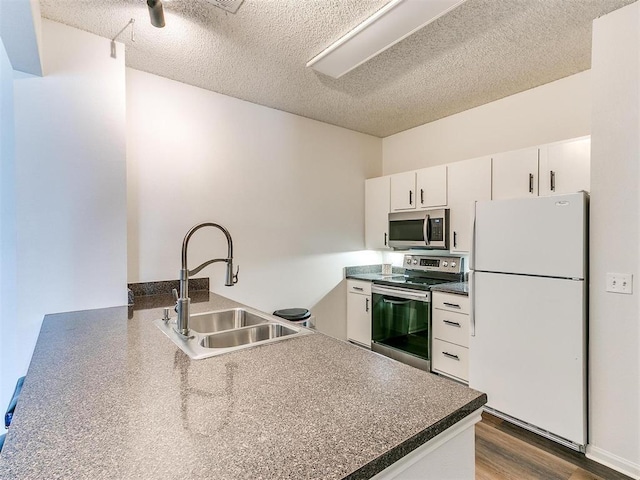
507,452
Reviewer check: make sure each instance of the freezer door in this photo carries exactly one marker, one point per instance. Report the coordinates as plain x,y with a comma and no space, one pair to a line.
529,350
532,236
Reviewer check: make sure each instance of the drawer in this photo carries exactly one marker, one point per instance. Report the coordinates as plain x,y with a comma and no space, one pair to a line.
452,327
451,302
359,286
450,359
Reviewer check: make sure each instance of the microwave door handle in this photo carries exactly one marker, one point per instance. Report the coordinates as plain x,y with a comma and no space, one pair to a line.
426,229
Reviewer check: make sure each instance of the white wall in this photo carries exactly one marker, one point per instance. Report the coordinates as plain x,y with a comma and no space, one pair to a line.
615,240
289,189
8,339
70,152
552,112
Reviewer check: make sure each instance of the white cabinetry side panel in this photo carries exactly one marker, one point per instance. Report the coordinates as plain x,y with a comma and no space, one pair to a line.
528,352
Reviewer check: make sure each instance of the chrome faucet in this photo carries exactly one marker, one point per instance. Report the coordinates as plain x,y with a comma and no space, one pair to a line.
183,302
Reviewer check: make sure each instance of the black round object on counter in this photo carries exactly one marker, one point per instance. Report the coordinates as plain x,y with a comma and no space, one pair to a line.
293,314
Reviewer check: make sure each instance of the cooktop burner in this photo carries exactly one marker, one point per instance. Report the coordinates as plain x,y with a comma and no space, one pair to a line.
423,272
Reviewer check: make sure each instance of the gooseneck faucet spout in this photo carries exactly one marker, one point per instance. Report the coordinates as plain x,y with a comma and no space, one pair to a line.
183,302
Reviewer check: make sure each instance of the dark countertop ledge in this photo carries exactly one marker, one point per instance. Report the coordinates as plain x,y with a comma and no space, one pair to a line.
108,396
458,288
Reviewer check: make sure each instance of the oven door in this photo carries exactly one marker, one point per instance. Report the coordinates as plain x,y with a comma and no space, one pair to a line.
401,325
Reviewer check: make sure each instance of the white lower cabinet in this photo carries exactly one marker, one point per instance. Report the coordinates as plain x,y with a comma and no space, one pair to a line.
450,328
359,312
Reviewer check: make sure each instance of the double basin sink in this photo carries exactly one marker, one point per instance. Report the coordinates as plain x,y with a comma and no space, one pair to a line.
222,331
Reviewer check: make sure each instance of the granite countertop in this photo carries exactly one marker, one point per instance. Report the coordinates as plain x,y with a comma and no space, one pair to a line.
107,395
459,288
370,277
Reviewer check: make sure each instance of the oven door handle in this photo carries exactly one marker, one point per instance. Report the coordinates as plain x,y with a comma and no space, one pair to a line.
404,294
396,302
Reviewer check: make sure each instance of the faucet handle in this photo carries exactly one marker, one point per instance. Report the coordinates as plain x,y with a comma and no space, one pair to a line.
175,294
235,276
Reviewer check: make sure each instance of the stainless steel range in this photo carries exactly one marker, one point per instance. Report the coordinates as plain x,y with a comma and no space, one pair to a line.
401,316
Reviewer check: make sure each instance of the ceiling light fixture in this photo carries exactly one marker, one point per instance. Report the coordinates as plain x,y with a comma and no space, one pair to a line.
156,13
389,25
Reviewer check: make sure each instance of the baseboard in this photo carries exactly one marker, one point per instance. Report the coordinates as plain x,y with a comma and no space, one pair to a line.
613,461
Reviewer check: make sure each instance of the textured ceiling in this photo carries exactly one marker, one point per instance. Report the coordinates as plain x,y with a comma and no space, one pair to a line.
482,51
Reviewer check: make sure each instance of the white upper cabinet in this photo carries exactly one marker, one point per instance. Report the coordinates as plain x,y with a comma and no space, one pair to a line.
431,187
469,181
403,191
376,212
515,174
565,167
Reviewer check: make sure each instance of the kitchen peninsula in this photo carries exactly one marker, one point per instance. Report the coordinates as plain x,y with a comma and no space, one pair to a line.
107,395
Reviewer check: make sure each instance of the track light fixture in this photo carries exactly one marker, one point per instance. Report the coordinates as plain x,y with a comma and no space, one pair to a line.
156,13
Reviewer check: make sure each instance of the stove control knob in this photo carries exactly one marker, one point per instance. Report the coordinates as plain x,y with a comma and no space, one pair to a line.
408,260
445,264
415,261
453,264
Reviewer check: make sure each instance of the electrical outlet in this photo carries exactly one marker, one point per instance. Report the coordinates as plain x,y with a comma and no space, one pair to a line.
620,283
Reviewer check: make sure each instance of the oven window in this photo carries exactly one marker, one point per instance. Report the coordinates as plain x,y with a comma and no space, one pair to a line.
401,324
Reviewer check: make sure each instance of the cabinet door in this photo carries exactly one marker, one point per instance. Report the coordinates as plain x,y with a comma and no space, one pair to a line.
469,181
403,191
565,167
359,318
376,212
515,174
431,187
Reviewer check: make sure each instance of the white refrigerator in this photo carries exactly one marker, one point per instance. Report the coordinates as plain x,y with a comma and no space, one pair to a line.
528,291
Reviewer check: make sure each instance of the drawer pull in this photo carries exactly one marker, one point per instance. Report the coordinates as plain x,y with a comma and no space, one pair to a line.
360,289
451,305
451,355
453,324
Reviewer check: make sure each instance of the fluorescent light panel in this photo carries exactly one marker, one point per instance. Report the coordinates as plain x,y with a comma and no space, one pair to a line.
389,25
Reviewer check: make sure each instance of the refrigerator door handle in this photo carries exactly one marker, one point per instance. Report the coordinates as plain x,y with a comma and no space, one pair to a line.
472,303
472,250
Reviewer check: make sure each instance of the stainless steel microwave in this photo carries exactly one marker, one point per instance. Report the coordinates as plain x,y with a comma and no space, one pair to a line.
419,229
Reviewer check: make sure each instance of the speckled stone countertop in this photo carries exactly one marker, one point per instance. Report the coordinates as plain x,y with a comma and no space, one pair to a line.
107,396
459,288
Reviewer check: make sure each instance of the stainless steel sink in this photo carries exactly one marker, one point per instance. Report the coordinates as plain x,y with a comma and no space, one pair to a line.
244,336
211,322
223,331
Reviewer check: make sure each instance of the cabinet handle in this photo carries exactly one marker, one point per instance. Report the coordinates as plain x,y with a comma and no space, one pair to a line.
552,180
450,305
410,197
366,307
451,355
531,183
385,239
360,289
455,240
422,196
453,324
